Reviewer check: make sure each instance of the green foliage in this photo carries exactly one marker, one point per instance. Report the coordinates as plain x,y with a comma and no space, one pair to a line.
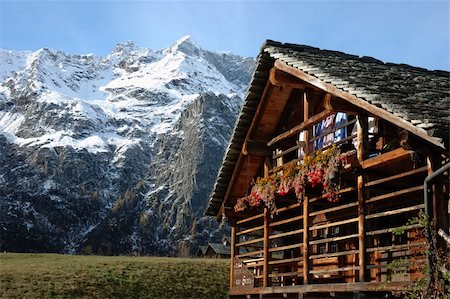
440,282
65,276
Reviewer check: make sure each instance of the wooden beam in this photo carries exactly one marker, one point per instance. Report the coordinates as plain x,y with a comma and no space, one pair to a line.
266,248
233,242
307,118
305,246
361,229
312,121
379,287
327,102
255,148
362,130
396,120
385,158
282,79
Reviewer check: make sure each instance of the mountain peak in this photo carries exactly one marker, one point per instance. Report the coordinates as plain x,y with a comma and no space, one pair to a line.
186,45
125,48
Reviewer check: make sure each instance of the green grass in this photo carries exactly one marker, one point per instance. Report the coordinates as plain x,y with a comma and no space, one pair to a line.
72,276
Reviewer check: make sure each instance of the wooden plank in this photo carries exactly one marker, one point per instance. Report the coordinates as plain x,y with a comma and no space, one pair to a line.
285,274
266,248
250,218
395,212
257,252
293,206
300,144
392,229
397,176
334,254
334,223
335,270
289,220
385,158
334,239
242,232
395,247
380,112
285,261
311,121
289,233
233,240
281,248
381,266
395,193
249,242
334,209
326,287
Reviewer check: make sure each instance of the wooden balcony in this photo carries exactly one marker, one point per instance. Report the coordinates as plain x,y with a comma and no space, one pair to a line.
347,246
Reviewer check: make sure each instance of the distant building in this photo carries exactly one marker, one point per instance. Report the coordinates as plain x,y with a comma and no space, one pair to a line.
201,251
216,250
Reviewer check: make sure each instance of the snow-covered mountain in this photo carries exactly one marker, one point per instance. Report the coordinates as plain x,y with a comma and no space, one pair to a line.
115,154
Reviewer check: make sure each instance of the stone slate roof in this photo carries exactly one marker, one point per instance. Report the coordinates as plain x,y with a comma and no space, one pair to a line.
219,248
202,250
417,95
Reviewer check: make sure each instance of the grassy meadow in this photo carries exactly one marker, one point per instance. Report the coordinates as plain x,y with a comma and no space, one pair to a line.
74,276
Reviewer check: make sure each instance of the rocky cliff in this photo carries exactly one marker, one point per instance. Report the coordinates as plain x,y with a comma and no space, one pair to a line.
115,154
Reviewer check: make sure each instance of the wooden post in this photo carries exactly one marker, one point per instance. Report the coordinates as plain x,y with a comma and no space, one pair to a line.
305,241
233,242
361,145
305,118
267,167
306,200
266,248
361,229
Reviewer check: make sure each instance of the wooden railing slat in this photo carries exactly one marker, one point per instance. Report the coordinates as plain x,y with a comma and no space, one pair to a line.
289,220
395,212
397,176
341,207
250,230
395,193
334,223
335,239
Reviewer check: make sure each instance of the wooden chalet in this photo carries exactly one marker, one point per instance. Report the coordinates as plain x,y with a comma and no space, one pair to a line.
389,121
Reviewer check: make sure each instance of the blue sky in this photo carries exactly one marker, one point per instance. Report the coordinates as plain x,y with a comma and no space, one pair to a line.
412,32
